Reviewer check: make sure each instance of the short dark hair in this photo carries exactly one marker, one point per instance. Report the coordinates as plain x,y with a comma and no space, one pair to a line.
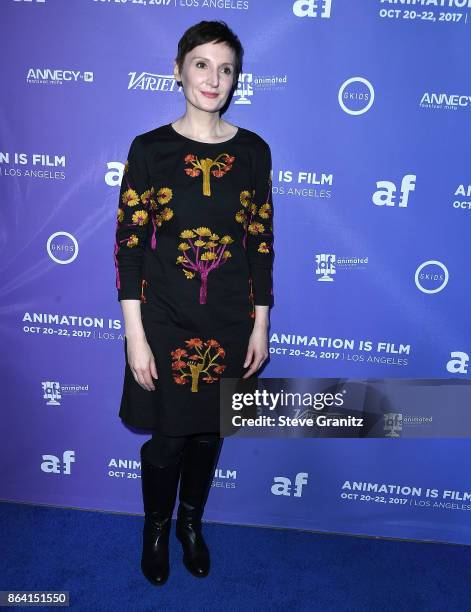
211,31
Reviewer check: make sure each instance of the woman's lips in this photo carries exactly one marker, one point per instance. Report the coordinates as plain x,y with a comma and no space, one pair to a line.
209,95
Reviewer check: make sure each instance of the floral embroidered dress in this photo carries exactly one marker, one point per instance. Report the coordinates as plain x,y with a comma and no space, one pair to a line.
194,243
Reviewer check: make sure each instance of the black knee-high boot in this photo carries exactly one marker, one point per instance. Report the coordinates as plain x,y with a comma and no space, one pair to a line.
199,462
159,490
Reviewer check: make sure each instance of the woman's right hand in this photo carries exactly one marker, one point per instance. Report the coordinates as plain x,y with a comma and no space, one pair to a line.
142,362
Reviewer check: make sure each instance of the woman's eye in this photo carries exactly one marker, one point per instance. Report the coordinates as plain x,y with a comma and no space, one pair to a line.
228,70
200,63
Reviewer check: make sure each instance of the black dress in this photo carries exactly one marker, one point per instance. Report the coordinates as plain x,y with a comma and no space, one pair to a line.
194,243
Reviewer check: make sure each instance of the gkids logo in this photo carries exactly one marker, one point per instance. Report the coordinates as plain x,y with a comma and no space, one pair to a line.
356,96
53,465
431,276
312,8
62,247
459,363
283,485
387,195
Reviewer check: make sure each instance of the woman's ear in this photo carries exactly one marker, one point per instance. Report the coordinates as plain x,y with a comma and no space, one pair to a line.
176,72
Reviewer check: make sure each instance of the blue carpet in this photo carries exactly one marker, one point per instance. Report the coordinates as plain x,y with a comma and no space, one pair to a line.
95,556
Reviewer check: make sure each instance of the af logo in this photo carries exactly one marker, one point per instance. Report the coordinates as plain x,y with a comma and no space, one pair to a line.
53,465
312,8
283,484
386,195
459,363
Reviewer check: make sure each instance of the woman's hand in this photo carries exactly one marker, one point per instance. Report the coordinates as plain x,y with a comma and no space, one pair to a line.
142,362
257,351
140,357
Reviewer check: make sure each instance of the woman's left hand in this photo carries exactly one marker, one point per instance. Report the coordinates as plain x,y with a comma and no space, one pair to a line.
257,351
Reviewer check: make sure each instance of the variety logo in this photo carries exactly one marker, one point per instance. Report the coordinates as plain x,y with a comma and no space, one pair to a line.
312,8
431,276
356,96
459,362
386,195
53,465
150,81
62,247
283,485
54,76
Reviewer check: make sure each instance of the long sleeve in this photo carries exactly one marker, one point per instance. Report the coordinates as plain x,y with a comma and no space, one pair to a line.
260,250
132,224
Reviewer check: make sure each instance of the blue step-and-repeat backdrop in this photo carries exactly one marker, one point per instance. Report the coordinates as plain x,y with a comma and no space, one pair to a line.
366,106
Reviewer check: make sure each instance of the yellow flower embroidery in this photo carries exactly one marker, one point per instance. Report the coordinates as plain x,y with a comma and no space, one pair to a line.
265,210
256,228
208,256
140,217
130,197
204,256
166,214
164,195
203,231
245,198
132,240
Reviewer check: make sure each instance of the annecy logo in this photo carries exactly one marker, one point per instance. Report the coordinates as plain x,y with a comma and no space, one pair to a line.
54,76
445,101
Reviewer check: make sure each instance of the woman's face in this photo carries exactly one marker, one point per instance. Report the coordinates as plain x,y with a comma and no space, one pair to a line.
207,75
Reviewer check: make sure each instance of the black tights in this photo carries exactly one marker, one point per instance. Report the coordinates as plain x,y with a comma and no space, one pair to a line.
163,450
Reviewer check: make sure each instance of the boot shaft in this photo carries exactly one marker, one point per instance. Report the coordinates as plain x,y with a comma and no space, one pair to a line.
159,487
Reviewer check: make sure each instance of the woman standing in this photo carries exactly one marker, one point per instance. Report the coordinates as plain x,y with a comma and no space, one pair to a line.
194,257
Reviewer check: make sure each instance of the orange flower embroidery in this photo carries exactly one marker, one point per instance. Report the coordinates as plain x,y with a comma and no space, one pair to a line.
223,164
202,361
